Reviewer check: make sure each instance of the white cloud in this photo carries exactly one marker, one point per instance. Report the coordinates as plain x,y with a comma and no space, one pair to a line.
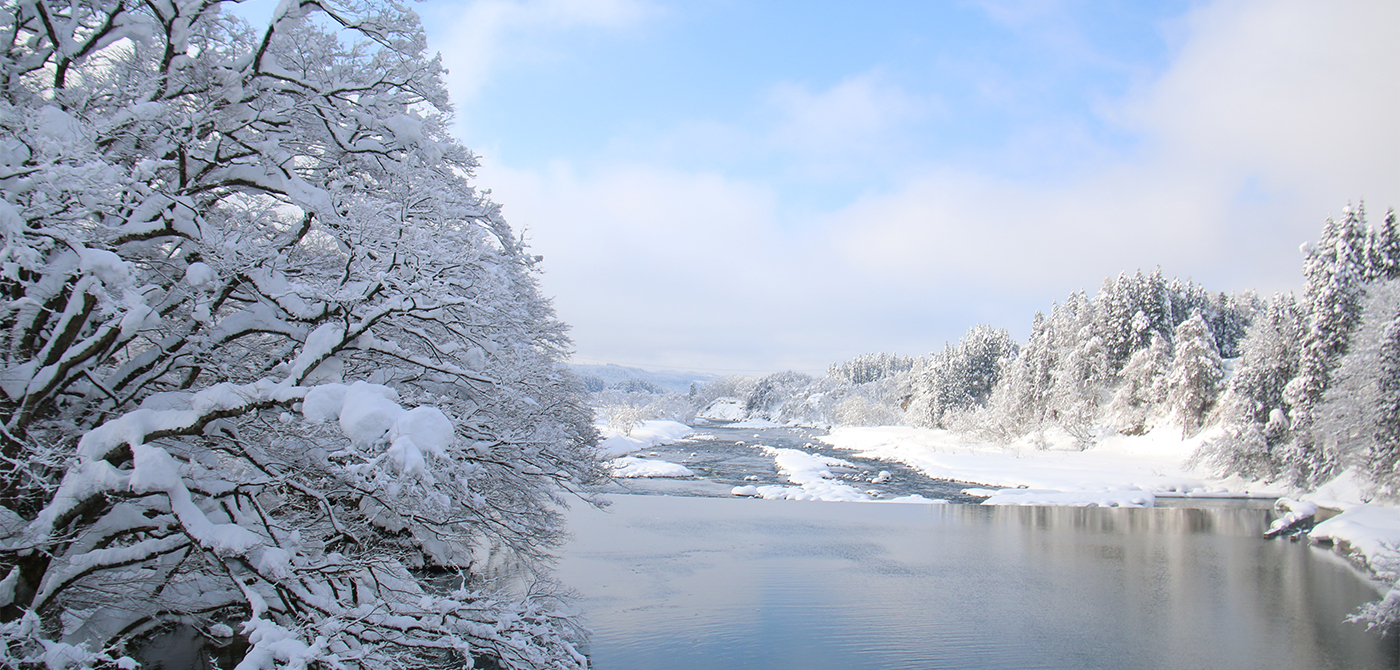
858,115
833,133
648,263
1272,114
1301,93
484,34
1004,236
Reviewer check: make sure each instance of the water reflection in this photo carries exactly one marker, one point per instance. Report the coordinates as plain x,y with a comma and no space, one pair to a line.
695,582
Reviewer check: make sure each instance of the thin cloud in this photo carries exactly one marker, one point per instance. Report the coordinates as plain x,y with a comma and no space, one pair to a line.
486,34
857,115
1293,101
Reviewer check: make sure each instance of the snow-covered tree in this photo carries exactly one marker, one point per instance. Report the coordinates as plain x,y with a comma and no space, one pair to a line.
1383,461
960,377
1252,411
1142,388
1336,272
1359,418
1128,312
266,351
1080,377
1017,403
1194,381
868,368
773,392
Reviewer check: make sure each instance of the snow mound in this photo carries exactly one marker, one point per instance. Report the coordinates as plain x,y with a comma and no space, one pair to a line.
1295,513
1341,492
1372,531
628,467
645,436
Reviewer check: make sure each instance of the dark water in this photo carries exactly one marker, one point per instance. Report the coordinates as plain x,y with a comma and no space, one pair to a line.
695,582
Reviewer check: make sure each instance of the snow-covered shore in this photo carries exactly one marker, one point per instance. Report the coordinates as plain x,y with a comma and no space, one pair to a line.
649,434
617,446
1118,471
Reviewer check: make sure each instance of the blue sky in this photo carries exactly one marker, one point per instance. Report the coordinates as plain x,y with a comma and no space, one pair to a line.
957,78
744,186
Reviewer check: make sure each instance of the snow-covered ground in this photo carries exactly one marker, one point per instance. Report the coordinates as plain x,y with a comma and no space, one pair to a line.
1118,471
650,434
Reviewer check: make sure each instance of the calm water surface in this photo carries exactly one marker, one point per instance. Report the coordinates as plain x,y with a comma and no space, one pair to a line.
694,582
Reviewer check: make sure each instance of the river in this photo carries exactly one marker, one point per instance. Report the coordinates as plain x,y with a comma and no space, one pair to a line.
690,580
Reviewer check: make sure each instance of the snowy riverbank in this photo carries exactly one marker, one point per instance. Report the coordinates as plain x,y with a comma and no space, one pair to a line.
619,446
1118,471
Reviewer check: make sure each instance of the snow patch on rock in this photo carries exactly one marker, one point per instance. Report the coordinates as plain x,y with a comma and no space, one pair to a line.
649,434
629,467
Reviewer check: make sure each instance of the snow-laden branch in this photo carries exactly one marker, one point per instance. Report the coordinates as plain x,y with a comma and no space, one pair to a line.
268,350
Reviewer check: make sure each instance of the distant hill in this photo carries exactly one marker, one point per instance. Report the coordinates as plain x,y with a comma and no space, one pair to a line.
599,377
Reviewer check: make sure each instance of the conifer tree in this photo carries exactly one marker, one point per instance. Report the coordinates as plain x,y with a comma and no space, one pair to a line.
1383,460
959,378
1336,270
1252,410
1015,404
1383,250
1194,381
1142,389
1357,419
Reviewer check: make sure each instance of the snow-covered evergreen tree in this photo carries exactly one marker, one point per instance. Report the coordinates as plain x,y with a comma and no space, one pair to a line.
868,368
266,351
1382,250
1336,271
960,377
1142,389
1383,461
1194,381
1071,371
1017,402
1359,418
772,393
1079,379
1252,411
